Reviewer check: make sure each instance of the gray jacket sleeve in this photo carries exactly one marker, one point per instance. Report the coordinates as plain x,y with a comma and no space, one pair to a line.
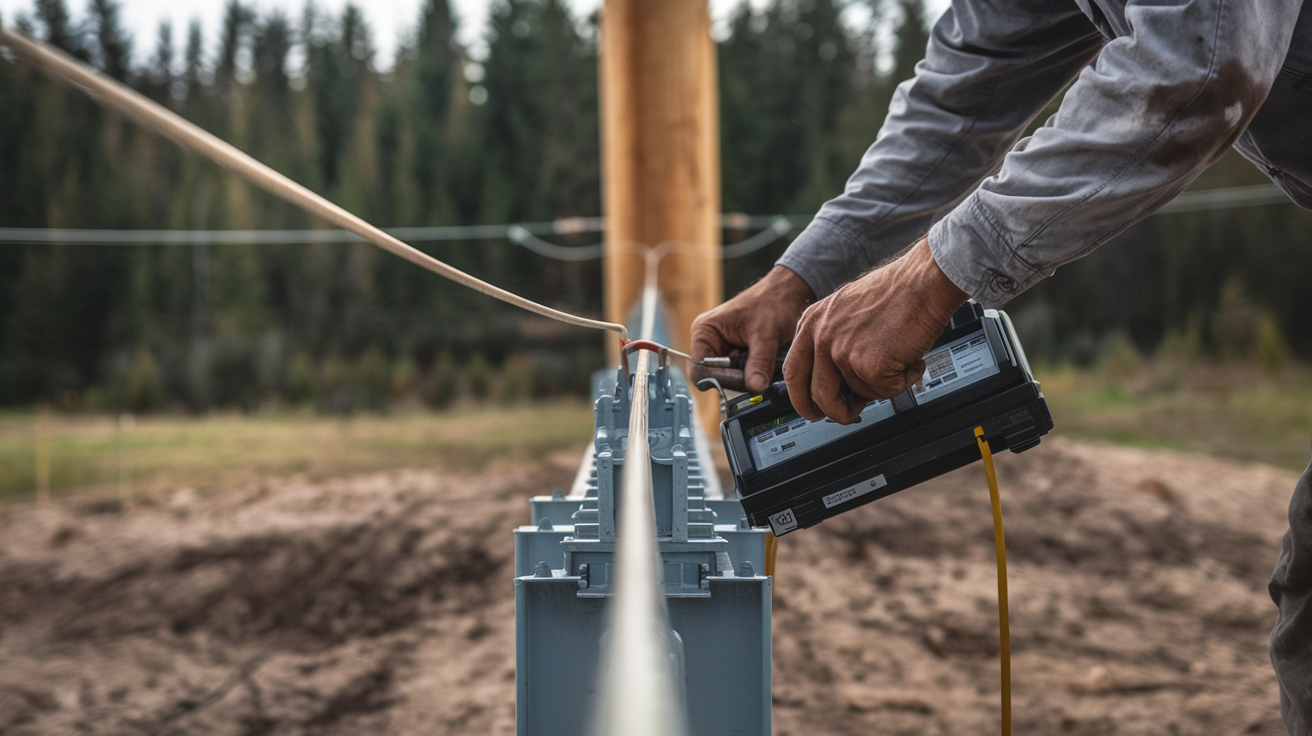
1162,101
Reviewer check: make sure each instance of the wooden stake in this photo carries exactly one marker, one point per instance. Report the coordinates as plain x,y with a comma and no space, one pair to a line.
661,161
126,425
42,454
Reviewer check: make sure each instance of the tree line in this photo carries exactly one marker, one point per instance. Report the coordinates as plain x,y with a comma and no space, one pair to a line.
443,138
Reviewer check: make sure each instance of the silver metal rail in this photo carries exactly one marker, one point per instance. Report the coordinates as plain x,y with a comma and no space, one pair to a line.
639,694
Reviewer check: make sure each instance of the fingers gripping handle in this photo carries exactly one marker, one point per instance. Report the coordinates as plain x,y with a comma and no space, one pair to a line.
731,370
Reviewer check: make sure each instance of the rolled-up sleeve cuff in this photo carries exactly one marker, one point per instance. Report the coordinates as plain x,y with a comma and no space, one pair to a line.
977,258
825,255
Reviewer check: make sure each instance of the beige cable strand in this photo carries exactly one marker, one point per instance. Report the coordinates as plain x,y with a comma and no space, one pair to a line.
139,108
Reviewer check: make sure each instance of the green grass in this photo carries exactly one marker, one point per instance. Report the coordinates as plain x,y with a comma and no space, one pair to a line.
93,454
1229,413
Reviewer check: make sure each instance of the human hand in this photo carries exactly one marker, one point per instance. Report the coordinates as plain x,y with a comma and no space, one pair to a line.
760,320
872,334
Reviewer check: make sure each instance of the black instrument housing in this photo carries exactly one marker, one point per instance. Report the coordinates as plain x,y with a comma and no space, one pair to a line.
918,442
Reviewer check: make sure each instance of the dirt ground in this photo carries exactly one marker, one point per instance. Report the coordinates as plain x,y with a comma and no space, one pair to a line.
383,604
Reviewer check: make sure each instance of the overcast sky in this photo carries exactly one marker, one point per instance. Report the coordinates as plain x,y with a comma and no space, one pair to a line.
388,18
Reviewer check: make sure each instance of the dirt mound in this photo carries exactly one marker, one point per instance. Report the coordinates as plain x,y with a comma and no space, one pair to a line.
1138,601
297,609
383,604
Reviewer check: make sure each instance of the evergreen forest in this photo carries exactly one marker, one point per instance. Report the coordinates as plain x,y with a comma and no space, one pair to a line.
442,138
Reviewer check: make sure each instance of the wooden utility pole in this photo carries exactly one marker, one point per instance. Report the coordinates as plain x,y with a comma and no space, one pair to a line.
661,160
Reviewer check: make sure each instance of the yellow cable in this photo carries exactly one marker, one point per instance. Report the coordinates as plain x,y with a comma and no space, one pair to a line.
771,548
1004,632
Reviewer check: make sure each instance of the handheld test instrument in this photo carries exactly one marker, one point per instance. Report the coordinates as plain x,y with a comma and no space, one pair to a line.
792,473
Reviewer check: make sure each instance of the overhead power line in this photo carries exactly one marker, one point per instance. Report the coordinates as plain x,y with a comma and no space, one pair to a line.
528,234
778,227
521,236
562,226
524,235
252,237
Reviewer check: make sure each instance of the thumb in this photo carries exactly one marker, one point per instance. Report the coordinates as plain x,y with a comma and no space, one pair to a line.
912,374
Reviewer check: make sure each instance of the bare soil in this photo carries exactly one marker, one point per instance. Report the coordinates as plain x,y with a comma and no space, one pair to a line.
383,604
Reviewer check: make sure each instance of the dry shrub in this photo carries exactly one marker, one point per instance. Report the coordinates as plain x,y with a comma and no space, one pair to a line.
143,389
1270,351
516,381
403,379
1235,322
302,385
478,377
439,386
1120,361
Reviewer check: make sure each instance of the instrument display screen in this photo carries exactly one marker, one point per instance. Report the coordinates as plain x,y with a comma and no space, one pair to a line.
948,368
790,435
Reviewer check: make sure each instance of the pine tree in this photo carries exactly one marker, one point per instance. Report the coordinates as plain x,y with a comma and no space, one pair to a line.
156,81
59,30
435,79
191,75
113,45
911,38
787,74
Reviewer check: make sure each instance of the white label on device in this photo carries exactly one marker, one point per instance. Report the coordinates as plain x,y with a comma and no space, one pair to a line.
783,522
856,491
787,437
956,366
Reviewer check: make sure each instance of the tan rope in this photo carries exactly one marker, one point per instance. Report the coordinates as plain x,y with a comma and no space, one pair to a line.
137,107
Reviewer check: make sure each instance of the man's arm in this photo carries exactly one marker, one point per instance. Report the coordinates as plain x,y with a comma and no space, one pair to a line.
991,66
1163,102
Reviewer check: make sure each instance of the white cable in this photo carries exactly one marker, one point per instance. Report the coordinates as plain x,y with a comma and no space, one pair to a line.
141,109
774,227
522,237
521,234
36,235
777,229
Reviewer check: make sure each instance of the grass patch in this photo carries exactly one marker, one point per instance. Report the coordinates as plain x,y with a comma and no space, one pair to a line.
1238,415
96,454
1231,413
